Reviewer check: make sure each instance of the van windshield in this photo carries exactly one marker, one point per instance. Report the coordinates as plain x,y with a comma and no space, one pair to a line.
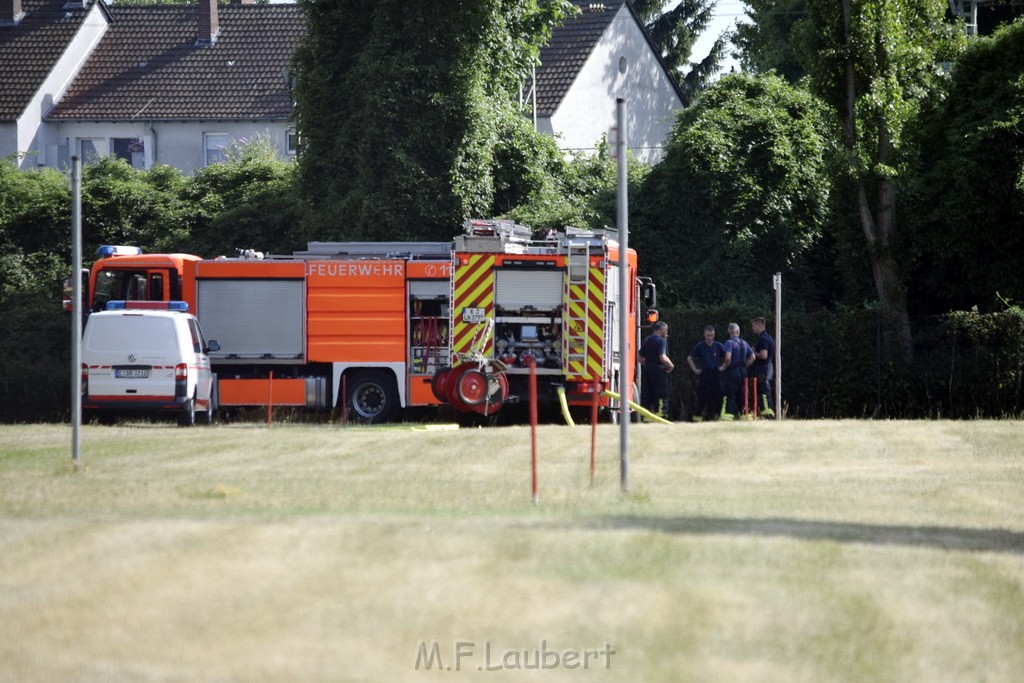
131,334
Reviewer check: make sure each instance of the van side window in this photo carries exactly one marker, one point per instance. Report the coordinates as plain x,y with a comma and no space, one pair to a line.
198,344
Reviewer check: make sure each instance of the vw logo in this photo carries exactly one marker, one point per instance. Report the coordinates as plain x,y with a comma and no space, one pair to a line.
131,358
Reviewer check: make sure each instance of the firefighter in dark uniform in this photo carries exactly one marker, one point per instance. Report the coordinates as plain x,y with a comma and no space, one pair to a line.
741,356
764,367
654,371
707,360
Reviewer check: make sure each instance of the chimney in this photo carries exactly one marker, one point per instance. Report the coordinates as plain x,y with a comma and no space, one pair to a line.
10,12
208,24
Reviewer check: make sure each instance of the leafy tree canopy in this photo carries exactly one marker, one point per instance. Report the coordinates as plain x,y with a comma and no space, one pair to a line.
674,28
741,193
971,199
414,158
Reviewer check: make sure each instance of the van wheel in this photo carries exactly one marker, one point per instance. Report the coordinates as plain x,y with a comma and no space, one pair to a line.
211,407
372,396
187,418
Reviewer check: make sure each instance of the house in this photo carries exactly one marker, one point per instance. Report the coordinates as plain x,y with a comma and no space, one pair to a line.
174,84
601,54
179,84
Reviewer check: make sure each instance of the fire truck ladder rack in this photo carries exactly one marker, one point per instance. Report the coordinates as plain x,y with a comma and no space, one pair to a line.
380,250
577,320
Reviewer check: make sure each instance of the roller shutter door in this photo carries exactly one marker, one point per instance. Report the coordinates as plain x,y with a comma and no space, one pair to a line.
540,289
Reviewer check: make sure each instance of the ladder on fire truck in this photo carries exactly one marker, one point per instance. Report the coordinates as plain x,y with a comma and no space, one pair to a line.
577,327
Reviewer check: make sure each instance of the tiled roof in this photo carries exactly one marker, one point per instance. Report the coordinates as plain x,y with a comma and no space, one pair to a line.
30,49
570,46
148,65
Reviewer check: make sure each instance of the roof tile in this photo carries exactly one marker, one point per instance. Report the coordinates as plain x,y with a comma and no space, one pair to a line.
148,65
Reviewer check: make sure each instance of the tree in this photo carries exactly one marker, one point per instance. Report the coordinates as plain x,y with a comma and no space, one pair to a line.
401,107
123,205
674,31
578,192
248,202
875,62
971,199
766,43
741,193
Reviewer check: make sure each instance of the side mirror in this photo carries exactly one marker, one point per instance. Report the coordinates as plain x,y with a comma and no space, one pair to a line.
212,345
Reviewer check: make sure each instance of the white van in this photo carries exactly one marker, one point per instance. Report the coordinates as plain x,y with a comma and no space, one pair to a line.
147,356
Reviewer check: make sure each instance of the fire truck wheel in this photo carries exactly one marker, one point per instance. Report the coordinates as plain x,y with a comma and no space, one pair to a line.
187,417
472,387
373,396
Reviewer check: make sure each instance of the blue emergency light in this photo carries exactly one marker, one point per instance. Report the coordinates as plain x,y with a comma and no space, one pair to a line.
118,250
119,305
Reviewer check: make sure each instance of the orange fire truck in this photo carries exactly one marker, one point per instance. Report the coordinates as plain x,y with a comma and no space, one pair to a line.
370,326
552,304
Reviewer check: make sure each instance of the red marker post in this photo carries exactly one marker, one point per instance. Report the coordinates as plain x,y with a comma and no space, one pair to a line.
270,397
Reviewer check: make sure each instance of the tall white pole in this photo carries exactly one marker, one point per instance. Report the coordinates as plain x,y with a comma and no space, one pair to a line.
622,218
76,310
778,346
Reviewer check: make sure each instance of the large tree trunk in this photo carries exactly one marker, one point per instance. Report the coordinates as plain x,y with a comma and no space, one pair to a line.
877,220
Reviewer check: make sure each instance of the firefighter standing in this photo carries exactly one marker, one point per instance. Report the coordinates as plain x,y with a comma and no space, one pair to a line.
655,369
741,357
763,368
707,360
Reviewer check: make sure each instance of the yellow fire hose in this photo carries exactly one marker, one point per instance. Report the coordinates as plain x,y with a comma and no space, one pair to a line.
565,407
640,409
611,394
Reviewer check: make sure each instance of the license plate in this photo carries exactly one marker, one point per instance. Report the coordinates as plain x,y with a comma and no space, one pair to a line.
131,373
472,315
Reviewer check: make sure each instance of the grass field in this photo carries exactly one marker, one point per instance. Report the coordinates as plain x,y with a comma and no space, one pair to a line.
794,551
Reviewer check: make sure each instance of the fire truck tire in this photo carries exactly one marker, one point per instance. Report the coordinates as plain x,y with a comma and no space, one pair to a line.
437,384
373,396
187,416
472,387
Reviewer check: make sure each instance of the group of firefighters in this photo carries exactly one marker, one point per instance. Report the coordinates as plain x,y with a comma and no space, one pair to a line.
721,370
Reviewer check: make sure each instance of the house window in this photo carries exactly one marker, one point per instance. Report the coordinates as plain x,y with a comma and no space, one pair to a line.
92,151
132,150
293,142
216,148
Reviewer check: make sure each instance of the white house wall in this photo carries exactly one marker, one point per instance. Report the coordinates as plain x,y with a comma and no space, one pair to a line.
178,144
33,134
588,110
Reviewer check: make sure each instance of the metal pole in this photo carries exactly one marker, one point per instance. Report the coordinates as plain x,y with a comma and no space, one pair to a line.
76,310
533,429
778,346
622,219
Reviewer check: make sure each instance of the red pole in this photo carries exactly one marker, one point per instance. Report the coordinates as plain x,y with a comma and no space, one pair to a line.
270,397
754,397
533,428
746,392
593,429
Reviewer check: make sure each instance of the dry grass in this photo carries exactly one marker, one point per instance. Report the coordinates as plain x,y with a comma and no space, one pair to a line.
800,551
